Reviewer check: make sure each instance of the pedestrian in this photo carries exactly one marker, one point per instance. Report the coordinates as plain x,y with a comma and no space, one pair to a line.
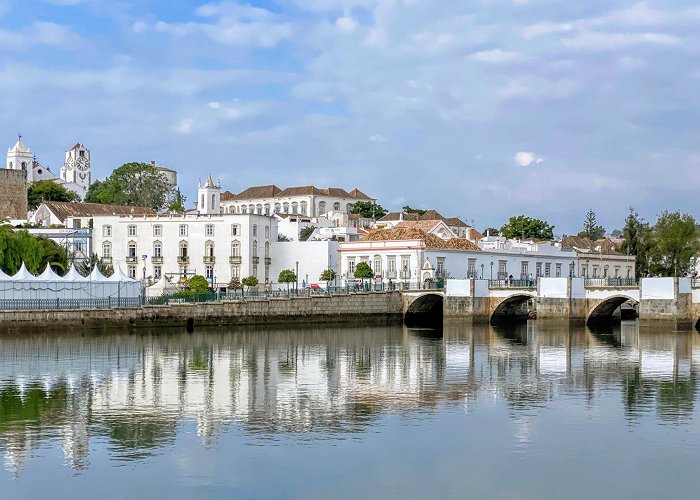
510,280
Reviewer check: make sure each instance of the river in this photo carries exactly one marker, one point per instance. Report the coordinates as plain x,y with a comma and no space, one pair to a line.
528,411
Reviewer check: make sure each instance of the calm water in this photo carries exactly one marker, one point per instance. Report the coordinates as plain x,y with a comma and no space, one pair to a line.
376,412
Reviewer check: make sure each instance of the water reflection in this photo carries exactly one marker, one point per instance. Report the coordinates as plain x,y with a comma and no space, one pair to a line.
133,392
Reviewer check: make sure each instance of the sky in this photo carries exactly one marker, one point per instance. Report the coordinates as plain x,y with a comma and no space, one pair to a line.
481,109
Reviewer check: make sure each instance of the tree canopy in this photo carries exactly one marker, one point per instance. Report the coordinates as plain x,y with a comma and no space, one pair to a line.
521,226
136,184
368,209
249,281
198,284
287,276
410,210
491,231
363,270
48,190
306,233
674,243
327,275
36,253
591,229
637,240
85,267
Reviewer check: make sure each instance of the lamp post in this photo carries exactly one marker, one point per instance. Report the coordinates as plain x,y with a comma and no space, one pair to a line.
491,271
143,293
482,271
296,278
588,275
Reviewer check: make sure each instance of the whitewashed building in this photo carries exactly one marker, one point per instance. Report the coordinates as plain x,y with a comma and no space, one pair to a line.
307,258
301,200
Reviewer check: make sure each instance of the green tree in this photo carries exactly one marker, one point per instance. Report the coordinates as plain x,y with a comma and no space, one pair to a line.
48,190
637,241
136,184
17,247
675,242
93,192
235,283
306,233
85,266
250,281
410,210
363,271
591,229
521,226
198,284
491,231
287,276
327,275
177,201
368,209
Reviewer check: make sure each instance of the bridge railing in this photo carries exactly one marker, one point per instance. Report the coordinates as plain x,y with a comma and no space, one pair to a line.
610,282
695,283
513,283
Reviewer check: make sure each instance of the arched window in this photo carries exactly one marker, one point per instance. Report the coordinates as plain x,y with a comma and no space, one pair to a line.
10,165
213,201
244,209
24,165
285,208
302,208
106,250
321,208
183,249
267,209
201,205
255,248
295,207
259,209
348,208
251,209
235,249
209,249
157,249
278,208
336,206
131,250
267,249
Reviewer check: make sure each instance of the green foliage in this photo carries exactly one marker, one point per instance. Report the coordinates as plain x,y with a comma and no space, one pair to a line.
250,281
282,237
368,209
327,275
306,233
287,276
48,190
637,240
491,231
197,284
36,253
85,267
521,226
136,184
235,284
591,229
177,201
675,242
411,210
362,271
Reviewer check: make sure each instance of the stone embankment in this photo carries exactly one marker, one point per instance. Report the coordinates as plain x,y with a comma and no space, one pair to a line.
379,307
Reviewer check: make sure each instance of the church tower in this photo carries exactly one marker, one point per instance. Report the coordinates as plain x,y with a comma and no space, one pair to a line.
209,198
76,169
19,157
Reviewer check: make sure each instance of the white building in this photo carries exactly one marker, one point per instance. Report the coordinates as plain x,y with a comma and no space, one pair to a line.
460,228
75,174
302,200
219,246
308,258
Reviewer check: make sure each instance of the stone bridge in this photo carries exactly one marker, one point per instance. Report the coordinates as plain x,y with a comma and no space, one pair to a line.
554,298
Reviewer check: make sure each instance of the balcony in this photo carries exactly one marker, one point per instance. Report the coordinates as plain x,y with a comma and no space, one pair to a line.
268,261
183,259
131,259
234,259
209,259
157,260
106,260
256,260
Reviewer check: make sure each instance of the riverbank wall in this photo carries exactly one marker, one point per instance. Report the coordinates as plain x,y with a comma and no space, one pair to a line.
348,309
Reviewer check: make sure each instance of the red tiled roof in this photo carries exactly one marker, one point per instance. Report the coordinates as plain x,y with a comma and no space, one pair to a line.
62,209
431,241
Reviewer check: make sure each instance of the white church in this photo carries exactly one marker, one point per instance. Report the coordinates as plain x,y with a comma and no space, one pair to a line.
75,174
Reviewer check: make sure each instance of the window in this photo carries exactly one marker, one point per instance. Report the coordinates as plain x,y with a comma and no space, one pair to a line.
502,269
391,265
605,271
255,229
595,271
548,269
377,265
235,272
538,269
255,270
157,272
295,207
209,273
351,266
471,269
321,207
267,249
131,250
617,271
441,266
107,231
348,208
572,268
336,206
255,248
558,271
106,250
267,209
76,224
82,153
278,208
285,208
209,249
201,203
524,272
183,229
405,267
267,274
157,249
183,249
209,230
302,207
235,249
131,230
244,209
157,231
259,209
213,201
132,272
24,165
267,231
235,230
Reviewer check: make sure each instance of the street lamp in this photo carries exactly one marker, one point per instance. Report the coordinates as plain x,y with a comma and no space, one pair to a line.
296,277
491,270
588,275
482,271
143,293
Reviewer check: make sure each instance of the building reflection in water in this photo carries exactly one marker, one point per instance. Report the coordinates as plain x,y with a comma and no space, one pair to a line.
134,391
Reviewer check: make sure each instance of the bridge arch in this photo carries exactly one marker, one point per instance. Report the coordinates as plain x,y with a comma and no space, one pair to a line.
425,310
605,308
511,309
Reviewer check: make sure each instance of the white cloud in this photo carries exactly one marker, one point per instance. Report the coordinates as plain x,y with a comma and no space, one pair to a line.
527,159
495,56
377,139
542,29
615,41
39,33
214,105
346,24
185,126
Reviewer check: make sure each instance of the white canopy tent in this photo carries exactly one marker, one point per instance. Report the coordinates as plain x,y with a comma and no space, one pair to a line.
162,287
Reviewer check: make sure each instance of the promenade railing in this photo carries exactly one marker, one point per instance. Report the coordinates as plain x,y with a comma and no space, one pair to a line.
513,283
100,303
610,282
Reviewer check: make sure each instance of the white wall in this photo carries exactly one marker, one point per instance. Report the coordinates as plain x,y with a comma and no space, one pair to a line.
555,288
314,257
658,288
458,288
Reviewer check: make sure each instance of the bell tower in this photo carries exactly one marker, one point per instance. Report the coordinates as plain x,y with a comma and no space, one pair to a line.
19,157
77,167
209,198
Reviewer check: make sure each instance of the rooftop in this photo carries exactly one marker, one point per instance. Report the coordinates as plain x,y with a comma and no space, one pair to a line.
411,233
272,191
63,209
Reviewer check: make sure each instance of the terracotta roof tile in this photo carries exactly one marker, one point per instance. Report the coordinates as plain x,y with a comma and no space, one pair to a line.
431,241
255,192
227,196
63,209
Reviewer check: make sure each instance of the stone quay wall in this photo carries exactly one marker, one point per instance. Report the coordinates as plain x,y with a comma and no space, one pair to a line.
13,194
356,308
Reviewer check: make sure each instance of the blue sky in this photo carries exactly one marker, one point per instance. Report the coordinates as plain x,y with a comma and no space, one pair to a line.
480,109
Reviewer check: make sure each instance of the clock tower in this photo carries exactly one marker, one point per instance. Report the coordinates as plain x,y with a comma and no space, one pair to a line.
76,169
